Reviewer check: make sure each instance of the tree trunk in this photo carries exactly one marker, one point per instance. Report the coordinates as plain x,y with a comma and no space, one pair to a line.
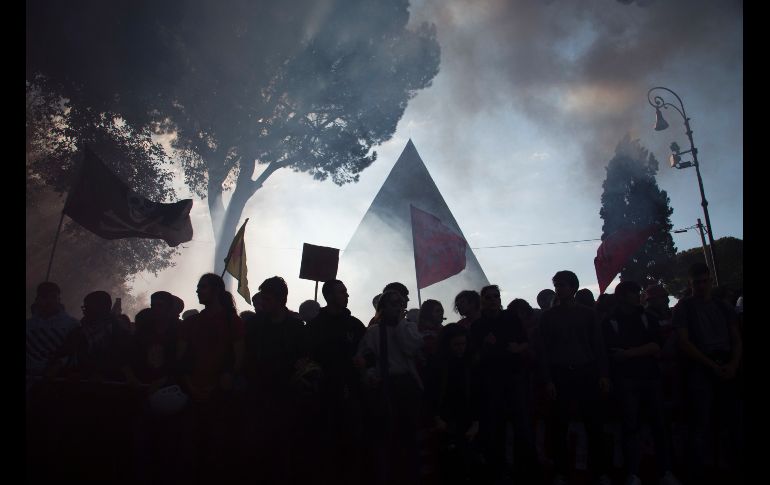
230,217
230,220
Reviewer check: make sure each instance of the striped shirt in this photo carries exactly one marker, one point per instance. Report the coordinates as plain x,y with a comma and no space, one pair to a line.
44,337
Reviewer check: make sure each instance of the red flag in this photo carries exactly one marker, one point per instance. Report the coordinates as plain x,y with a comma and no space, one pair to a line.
439,252
615,250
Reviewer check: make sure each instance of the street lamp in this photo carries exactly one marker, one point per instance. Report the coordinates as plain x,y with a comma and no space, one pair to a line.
675,160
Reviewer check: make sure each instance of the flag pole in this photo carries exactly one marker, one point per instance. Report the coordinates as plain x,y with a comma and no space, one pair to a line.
78,174
53,250
414,254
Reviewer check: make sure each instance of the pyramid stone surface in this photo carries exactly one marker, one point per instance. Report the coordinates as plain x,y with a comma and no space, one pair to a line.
381,249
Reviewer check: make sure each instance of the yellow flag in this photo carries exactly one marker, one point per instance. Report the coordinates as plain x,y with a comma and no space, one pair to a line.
235,263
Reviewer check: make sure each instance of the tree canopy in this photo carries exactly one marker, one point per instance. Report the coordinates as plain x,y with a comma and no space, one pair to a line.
631,198
311,86
730,256
54,128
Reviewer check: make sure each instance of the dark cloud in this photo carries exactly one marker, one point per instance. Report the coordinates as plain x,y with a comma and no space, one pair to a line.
582,69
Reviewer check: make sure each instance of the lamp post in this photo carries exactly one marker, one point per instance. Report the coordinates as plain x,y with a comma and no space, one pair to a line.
675,160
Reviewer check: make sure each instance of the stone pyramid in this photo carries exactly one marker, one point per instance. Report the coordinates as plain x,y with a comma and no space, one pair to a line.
381,249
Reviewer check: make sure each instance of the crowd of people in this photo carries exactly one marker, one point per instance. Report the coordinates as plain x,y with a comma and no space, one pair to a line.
622,389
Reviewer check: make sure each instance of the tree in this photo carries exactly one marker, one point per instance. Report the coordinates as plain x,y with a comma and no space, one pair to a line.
310,86
730,256
631,198
85,262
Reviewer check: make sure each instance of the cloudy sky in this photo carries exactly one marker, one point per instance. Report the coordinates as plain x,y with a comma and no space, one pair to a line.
531,99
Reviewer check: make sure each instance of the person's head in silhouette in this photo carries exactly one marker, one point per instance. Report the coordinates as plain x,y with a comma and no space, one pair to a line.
308,310
545,298
97,306
256,302
585,297
627,295
605,305
48,299
162,305
453,341
490,300
178,307
467,303
211,291
700,280
336,295
391,307
522,309
566,285
400,288
655,297
431,313
143,321
188,313
274,294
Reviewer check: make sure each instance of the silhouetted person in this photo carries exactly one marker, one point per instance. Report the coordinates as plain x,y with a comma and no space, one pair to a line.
96,355
710,341
468,306
188,313
256,301
390,347
499,340
275,345
308,310
154,349
178,307
47,328
430,323
574,366
211,346
153,370
605,305
454,394
46,332
633,341
247,314
545,299
97,349
585,297
655,299
333,338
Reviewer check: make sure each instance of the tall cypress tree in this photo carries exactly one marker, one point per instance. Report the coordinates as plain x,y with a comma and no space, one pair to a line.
632,199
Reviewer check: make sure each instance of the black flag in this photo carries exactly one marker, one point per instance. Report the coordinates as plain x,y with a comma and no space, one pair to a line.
103,204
